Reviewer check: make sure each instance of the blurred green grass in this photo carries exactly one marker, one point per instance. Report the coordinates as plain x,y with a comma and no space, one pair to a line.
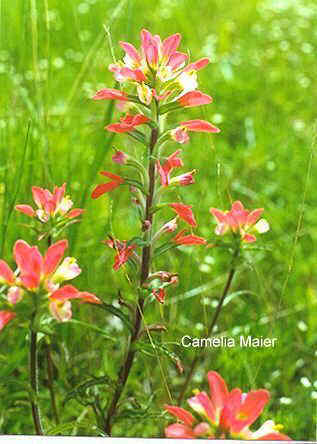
53,57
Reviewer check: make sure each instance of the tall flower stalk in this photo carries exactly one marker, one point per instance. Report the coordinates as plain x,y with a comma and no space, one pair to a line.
156,82
35,285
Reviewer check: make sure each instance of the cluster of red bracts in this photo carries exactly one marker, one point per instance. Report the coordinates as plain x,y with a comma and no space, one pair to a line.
224,415
42,276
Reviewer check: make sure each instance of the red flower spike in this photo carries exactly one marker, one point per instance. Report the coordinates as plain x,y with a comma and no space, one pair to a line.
106,187
110,94
194,98
184,212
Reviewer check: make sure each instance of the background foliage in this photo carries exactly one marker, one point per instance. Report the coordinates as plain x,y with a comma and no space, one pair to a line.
53,57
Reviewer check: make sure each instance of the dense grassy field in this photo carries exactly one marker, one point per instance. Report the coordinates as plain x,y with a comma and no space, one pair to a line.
53,57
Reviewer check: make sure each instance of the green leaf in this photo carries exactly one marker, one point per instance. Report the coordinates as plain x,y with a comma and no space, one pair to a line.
138,241
154,348
67,427
93,327
163,248
80,393
117,312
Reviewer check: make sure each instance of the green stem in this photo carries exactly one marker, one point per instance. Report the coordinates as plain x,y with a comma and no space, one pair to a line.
50,375
212,325
145,270
50,380
34,382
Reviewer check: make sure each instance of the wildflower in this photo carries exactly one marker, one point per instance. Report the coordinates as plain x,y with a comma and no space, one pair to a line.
50,205
43,275
105,187
224,414
194,98
240,220
5,318
184,212
128,123
110,94
155,58
180,135
189,239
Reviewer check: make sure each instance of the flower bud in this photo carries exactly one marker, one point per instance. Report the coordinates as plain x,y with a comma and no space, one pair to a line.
146,226
120,157
170,226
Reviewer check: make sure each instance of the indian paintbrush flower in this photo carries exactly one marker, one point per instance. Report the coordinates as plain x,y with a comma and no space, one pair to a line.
50,205
240,221
42,275
223,414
